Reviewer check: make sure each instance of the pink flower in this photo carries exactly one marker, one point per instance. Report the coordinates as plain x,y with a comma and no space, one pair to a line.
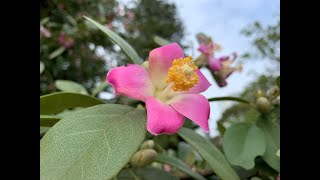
222,68
65,41
169,86
44,32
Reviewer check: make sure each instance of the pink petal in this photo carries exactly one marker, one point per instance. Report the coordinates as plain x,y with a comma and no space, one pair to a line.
202,85
203,48
215,64
160,60
193,106
132,81
223,58
162,118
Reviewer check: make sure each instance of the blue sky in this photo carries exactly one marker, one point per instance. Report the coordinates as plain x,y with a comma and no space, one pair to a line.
223,20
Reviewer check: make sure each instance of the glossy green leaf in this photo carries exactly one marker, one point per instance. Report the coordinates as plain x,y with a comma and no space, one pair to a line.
272,134
147,173
48,120
70,86
242,143
57,102
99,88
210,153
42,67
160,41
93,143
126,47
57,52
175,162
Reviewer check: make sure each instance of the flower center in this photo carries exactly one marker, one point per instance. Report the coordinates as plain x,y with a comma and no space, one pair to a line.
182,74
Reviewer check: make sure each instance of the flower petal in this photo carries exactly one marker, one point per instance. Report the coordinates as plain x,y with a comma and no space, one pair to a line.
215,64
202,85
203,49
162,118
193,106
132,81
160,60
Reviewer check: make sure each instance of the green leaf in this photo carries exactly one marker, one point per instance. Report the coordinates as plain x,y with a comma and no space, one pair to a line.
126,47
93,143
229,99
186,153
44,20
210,153
57,102
175,162
272,135
42,67
57,52
160,41
278,153
70,86
242,143
99,88
147,173
48,120
43,130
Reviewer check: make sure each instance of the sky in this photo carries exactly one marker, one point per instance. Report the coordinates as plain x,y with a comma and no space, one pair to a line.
223,20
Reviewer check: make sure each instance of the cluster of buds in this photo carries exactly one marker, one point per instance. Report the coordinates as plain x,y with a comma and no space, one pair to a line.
265,102
145,155
221,67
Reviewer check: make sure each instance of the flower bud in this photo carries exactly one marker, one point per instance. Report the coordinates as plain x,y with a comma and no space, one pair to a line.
143,157
259,93
145,65
278,153
149,144
276,101
273,92
263,104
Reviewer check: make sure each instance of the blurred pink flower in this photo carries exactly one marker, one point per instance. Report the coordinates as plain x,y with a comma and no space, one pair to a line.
169,85
167,168
44,32
222,68
65,40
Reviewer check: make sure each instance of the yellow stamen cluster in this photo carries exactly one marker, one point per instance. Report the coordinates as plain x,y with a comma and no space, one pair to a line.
182,74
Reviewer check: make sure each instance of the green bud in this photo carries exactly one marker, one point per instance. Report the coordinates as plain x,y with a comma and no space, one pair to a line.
140,107
145,65
273,92
143,157
276,101
149,144
263,105
278,153
259,93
